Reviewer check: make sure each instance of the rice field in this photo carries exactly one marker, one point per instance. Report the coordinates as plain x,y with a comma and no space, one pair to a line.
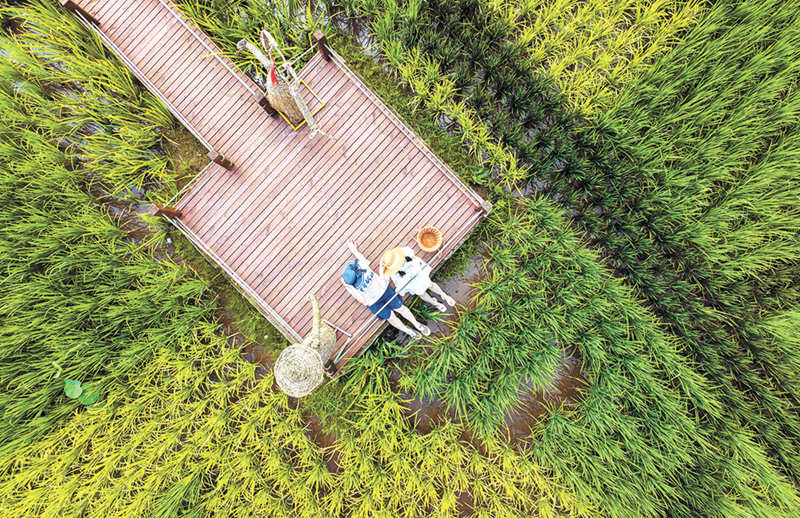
642,160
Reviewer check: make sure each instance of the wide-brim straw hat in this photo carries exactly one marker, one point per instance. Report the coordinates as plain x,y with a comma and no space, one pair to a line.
393,260
299,370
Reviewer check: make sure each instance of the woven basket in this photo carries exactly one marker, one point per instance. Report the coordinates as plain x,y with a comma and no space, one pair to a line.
299,370
429,239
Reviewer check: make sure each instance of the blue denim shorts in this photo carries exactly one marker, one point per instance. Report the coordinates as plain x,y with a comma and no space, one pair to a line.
394,301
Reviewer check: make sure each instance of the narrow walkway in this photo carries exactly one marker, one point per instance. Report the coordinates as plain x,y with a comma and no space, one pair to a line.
278,220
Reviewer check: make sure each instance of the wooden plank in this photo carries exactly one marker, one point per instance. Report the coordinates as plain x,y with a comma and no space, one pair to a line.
304,159
179,65
145,25
375,239
360,174
269,131
291,187
97,8
218,85
383,234
359,197
355,214
278,159
281,216
351,218
185,200
107,12
132,20
266,130
293,192
391,233
299,252
177,43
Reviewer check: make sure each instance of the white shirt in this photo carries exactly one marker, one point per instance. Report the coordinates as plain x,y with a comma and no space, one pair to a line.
414,277
372,285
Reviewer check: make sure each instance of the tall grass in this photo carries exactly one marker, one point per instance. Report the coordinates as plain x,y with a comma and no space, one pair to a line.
591,50
66,71
76,292
199,433
706,276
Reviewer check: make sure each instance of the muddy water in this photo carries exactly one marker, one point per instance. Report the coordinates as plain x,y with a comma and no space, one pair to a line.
564,388
324,440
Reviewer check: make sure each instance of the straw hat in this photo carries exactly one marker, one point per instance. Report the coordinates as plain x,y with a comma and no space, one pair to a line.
393,260
429,239
299,370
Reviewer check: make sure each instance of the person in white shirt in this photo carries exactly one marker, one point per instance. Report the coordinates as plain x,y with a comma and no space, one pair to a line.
374,291
410,274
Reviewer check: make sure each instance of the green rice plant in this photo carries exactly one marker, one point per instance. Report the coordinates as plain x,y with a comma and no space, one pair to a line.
588,169
66,71
76,291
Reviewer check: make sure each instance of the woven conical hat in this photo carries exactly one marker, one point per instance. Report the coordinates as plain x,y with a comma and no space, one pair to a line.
299,370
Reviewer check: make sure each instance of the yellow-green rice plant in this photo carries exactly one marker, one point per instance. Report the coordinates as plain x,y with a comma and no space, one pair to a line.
590,50
76,292
73,81
198,432
292,23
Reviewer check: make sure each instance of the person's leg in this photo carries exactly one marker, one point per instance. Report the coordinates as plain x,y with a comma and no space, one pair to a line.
405,312
447,298
432,301
395,321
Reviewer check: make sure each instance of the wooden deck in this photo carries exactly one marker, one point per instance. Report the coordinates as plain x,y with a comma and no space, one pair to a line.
277,222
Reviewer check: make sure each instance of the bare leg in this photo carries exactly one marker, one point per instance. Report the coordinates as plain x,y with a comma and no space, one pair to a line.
395,321
404,311
432,301
447,298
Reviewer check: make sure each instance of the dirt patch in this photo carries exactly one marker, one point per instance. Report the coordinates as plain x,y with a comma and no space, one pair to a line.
427,413
465,503
186,154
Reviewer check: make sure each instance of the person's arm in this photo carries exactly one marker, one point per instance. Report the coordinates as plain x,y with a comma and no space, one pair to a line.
354,292
380,271
359,255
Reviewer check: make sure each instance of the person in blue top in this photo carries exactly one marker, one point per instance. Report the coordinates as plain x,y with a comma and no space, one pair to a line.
373,290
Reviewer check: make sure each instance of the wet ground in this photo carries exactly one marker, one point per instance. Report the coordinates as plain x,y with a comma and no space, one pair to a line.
564,389
566,382
324,441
